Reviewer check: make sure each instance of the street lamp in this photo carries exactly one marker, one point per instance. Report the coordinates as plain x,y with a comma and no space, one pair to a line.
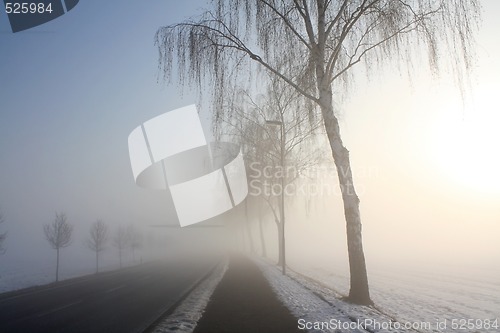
282,204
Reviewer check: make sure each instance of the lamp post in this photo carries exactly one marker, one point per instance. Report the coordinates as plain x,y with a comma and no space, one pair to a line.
282,203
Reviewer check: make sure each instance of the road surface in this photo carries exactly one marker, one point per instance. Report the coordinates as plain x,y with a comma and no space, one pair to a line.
121,301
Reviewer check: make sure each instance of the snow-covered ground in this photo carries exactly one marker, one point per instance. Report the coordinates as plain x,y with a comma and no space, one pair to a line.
21,275
28,272
412,296
428,302
22,268
319,309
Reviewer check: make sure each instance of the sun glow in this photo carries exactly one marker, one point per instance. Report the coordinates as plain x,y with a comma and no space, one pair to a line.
467,142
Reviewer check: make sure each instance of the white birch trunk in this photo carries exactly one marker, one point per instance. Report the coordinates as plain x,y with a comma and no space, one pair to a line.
359,291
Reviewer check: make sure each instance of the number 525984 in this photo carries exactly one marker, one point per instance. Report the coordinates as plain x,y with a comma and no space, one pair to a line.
27,7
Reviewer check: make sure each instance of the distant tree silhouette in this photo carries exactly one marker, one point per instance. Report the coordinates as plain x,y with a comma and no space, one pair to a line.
121,241
97,240
58,234
3,236
135,239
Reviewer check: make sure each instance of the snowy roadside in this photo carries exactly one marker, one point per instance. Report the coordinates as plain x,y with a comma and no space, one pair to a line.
188,313
437,299
36,274
319,309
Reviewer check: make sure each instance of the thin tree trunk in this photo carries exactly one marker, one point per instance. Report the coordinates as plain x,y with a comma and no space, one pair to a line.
280,244
359,292
262,239
247,228
57,264
96,262
282,261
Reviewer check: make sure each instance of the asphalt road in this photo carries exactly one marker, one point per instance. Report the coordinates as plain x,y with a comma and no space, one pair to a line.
121,301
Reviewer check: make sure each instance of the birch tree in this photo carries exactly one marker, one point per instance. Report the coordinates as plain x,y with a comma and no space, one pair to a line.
58,234
313,46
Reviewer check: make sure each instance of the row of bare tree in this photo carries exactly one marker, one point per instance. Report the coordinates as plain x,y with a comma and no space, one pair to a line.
279,133
59,234
312,48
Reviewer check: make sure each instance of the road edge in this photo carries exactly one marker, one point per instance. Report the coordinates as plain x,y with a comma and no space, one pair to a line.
183,315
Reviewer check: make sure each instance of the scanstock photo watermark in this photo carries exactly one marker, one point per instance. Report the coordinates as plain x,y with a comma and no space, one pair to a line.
313,181
369,324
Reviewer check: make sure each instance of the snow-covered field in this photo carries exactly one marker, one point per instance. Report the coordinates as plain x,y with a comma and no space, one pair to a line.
19,275
445,302
318,309
20,270
27,271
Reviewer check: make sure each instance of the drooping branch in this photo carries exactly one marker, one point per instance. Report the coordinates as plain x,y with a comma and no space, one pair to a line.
289,24
352,31
209,41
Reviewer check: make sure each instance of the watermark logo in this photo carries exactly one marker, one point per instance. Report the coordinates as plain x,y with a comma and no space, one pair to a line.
170,152
25,15
314,181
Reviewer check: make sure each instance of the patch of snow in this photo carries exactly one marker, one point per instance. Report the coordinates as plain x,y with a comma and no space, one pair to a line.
19,272
188,313
405,301
25,274
426,296
321,310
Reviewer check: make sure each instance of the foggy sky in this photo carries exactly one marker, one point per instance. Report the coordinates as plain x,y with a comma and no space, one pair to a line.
73,89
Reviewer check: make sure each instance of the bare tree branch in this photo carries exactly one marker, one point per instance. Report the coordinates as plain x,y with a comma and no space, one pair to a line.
59,235
121,241
59,232
98,236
